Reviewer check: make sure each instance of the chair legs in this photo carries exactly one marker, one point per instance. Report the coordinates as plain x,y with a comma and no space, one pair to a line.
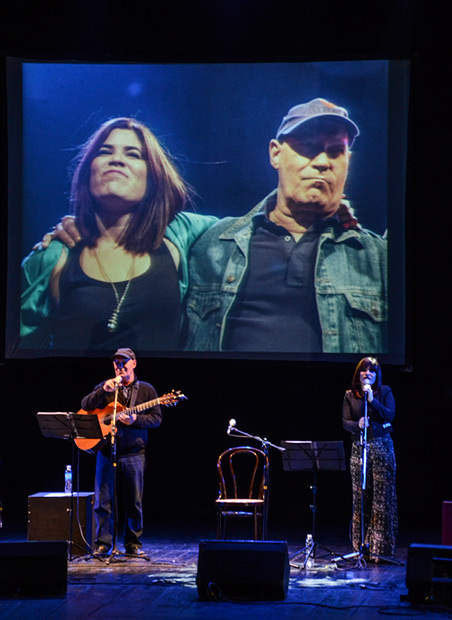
258,533
260,526
220,525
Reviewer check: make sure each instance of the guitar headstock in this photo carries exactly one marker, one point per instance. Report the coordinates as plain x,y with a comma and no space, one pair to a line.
172,398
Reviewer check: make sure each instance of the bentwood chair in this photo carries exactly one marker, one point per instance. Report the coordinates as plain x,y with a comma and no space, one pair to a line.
243,473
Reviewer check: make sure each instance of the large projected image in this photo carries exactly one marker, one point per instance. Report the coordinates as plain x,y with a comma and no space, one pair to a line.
239,210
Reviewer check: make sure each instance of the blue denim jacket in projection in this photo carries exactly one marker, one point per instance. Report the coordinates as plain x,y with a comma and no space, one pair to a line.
350,284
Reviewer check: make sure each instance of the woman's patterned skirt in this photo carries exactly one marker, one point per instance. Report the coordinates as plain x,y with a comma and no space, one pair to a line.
379,529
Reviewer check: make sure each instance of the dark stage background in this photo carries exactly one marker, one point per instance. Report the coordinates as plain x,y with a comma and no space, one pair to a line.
277,400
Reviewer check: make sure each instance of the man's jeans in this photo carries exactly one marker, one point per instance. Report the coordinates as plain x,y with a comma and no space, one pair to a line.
130,483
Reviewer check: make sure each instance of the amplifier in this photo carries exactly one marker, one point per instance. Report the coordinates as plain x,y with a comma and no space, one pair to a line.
49,518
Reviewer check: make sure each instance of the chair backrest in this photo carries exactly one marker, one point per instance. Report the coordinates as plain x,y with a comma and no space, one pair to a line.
243,473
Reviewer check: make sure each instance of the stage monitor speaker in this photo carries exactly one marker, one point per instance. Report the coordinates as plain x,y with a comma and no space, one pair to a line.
242,570
446,523
33,568
429,574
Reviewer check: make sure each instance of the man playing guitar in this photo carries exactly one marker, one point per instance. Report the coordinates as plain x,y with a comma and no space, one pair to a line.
124,452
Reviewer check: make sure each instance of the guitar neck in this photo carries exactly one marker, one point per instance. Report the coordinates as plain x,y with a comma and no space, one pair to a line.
165,400
147,405
137,409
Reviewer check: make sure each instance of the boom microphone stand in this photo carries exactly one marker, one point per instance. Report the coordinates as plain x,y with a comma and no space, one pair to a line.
233,431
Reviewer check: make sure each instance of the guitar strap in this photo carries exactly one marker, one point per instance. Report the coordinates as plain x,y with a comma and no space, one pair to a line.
133,396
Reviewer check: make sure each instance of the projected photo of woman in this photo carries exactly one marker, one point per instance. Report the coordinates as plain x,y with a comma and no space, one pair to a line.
125,279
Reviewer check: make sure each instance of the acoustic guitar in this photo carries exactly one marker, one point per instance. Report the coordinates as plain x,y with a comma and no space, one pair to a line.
105,417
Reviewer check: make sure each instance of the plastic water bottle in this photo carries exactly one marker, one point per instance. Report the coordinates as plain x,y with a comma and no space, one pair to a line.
308,545
68,480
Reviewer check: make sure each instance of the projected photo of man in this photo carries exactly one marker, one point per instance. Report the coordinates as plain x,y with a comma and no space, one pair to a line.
289,276
125,278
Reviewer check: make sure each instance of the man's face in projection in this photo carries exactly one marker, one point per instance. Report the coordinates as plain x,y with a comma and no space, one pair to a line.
312,167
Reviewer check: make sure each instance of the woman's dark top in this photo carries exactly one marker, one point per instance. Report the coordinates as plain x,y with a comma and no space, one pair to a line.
381,412
149,318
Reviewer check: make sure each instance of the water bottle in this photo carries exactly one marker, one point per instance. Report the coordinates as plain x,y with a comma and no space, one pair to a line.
308,545
68,480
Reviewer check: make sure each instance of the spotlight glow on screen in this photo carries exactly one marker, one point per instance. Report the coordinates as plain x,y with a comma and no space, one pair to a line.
154,270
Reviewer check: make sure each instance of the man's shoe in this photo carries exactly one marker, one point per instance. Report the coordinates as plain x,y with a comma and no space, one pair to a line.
135,550
100,550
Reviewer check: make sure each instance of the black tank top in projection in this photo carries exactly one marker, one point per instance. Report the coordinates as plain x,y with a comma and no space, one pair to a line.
149,318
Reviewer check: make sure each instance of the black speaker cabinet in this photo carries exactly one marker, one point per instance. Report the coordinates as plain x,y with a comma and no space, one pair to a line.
446,529
33,568
429,574
242,570
49,519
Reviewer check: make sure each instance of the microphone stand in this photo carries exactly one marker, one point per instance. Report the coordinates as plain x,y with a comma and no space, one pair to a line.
115,551
233,431
364,549
363,552
113,457
264,442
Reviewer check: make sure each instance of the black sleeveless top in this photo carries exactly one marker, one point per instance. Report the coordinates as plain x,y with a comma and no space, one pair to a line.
149,318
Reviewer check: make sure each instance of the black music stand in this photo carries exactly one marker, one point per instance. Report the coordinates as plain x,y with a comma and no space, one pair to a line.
313,456
66,425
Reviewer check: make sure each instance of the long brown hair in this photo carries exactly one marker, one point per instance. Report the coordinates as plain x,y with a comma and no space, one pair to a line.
166,192
367,363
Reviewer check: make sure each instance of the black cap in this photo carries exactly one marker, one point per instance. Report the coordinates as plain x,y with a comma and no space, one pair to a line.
128,353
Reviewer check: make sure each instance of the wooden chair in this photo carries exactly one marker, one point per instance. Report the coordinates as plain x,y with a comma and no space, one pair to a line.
243,473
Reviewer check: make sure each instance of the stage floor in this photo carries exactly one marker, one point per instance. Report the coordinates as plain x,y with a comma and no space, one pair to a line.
164,585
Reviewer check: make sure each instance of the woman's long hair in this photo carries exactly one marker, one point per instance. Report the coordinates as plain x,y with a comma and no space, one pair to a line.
166,191
367,363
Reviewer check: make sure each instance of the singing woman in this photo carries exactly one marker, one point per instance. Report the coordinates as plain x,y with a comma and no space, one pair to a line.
375,534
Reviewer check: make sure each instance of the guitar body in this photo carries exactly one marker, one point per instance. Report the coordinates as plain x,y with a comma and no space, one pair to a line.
104,416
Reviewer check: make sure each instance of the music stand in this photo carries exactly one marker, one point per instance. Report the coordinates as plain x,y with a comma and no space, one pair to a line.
67,425
59,425
313,456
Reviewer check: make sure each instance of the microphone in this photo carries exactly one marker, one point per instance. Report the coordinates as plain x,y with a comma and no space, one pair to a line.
232,424
117,380
365,381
